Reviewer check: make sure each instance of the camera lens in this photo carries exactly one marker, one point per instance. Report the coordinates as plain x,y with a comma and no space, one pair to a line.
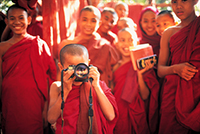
81,71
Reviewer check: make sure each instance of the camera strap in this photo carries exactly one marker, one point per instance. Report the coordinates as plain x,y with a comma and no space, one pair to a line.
90,111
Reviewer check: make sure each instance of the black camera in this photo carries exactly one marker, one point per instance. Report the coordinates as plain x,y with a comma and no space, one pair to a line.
81,72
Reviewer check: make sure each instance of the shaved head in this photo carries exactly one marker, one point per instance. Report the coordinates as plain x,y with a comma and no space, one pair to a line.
74,50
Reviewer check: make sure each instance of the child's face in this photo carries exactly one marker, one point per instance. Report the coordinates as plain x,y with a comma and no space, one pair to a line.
121,11
148,23
88,22
183,8
75,60
121,24
163,21
107,22
125,40
18,20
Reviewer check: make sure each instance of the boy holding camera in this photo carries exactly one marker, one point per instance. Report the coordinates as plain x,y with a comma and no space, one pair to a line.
136,91
76,95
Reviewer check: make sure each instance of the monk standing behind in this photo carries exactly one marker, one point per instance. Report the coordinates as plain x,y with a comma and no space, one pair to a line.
108,20
179,63
26,71
136,92
102,54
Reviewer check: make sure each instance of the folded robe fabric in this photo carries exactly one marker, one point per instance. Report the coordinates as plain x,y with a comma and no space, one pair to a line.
27,69
76,111
180,105
136,116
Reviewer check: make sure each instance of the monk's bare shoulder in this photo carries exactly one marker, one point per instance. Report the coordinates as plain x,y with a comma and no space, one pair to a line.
55,88
4,46
169,32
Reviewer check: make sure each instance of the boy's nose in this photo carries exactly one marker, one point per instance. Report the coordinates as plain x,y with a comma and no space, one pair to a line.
178,4
17,21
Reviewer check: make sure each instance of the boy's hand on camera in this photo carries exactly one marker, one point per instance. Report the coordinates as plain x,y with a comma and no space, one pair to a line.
67,81
94,73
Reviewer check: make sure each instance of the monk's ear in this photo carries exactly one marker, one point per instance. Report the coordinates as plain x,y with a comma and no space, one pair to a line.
89,61
60,66
29,20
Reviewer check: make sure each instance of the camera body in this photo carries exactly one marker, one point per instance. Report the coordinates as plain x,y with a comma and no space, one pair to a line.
81,72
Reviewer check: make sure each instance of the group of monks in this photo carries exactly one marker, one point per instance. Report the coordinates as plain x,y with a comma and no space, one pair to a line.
173,102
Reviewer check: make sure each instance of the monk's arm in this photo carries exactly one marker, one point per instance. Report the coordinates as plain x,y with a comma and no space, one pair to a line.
184,70
105,104
144,90
5,33
55,103
163,69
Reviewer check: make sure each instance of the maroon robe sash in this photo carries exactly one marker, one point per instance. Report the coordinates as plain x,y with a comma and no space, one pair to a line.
181,97
27,69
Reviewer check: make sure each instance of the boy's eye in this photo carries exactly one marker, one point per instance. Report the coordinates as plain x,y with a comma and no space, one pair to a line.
21,18
173,1
122,40
130,40
84,19
157,25
12,18
94,20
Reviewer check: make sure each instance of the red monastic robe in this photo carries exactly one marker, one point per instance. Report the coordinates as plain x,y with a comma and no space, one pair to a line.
76,109
102,55
35,29
180,105
27,69
136,116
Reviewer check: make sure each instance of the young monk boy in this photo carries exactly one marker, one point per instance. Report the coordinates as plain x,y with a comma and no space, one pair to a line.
121,9
76,95
126,22
108,20
26,70
102,54
164,20
180,63
136,92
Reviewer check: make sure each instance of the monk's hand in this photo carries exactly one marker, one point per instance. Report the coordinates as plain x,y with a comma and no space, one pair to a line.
95,75
148,66
67,80
185,70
